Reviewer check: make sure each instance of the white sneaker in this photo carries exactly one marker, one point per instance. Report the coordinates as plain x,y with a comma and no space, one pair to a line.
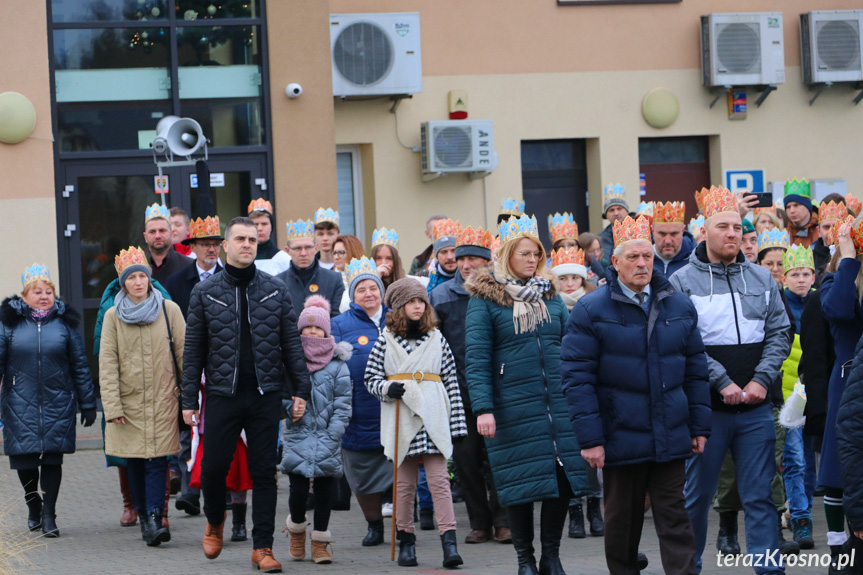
387,510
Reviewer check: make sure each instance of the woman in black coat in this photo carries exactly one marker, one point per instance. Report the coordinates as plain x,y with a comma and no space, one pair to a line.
46,380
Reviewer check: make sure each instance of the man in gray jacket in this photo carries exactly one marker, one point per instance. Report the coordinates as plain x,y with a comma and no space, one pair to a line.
744,326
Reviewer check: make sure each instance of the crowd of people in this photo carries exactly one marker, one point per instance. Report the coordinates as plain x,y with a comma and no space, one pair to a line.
656,365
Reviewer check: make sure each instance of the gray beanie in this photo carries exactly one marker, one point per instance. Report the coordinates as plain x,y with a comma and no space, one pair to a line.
614,202
444,242
403,291
132,269
366,276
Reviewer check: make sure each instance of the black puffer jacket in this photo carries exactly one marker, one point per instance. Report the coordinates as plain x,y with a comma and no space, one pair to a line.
213,339
849,438
46,379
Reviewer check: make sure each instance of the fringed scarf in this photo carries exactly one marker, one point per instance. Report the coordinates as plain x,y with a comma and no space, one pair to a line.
528,310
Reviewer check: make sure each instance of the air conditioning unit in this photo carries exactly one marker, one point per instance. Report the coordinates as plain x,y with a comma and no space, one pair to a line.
375,54
458,146
742,49
831,47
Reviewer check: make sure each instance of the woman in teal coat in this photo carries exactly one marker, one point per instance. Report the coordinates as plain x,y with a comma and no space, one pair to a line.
514,326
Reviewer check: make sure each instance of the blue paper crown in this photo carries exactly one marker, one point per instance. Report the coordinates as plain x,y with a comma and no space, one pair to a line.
512,207
35,273
326,215
645,209
515,228
385,237
301,229
614,191
558,219
157,211
774,238
695,225
361,266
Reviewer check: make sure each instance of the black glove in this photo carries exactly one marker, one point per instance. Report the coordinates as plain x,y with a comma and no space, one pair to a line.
88,417
396,390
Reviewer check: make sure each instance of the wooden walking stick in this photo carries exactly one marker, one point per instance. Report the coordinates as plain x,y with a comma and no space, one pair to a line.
395,483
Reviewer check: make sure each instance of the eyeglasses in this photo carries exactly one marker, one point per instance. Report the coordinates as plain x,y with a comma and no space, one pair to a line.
340,253
526,255
300,249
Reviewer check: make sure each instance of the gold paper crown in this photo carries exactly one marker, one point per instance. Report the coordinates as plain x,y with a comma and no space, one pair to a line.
770,210
854,204
157,211
774,238
35,273
567,256
833,236
798,257
326,215
301,229
385,237
511,207
474,237
134,256
832,211
718,200
629,230
260,205
360,266
446,229
208,228
562,227
699,197
669,212
516,228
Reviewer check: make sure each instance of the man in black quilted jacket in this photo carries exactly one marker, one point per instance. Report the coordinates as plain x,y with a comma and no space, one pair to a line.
242,334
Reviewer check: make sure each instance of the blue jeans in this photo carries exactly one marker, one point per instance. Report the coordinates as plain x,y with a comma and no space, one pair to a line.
751,437
423,492
147,479
793,473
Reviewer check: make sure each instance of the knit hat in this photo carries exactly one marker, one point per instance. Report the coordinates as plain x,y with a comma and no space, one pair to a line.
748,228
798,191
614,195
362,269
403,291
130,261
317,313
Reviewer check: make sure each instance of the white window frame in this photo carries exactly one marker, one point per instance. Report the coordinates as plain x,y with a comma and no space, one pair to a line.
357,175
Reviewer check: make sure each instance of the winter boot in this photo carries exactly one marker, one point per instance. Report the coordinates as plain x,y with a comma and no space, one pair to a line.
146,528
238,531
34,511
407,549
550,522
320,541
843,552
375,536
786,547
451,558
49,523
161,534
129,516
726,541
521,529
426,519
297,533
594,516
802,529
576,521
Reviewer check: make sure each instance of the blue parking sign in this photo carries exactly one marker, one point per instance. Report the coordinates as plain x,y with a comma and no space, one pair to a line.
745,181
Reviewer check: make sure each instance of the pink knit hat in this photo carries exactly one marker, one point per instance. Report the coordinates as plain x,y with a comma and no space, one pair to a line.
317,313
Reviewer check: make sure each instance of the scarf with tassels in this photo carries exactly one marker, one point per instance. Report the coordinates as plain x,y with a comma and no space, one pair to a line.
528,310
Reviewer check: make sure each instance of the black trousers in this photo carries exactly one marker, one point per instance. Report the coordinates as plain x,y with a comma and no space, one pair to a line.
300,495
147,484
625,487
480,495
224,419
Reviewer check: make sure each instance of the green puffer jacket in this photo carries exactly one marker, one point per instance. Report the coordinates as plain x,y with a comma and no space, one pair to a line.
516,377
789,368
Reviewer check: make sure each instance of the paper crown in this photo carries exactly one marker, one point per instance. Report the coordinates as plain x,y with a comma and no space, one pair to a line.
474,237
326,215
832,211
774,238
759,211
515,228
208,228
854,204
35,273
797,187
629,230
833,236
134,256
645,209
157,211
699,198
567,256
798,257
446,229
385,237
669,212
614,191
511,207
360,266
696,225
301,229
260,205
718,200
562,227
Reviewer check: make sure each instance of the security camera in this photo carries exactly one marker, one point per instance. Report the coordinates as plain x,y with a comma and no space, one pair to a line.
293,90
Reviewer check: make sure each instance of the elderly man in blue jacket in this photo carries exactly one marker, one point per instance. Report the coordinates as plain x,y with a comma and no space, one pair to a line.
635,376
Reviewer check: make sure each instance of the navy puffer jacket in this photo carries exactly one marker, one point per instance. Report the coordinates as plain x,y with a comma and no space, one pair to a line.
636,382
46,379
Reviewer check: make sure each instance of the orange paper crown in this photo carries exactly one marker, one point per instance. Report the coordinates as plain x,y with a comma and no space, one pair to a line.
854,204
446,229
562,227
208,228
567,256
832,211
833,236
134,256
260,205
718,200
669,212
474,237
629,230
770,210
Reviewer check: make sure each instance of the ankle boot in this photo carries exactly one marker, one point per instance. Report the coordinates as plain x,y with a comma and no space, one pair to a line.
786,547
164,514
407,549
297,533
146,527
521,529
34,511
49,524
594,516
726,541
238,530
576,521
129,516
451,558
160,533
320,541
375,536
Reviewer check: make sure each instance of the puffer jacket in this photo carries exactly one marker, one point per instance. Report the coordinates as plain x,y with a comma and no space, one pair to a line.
653,412
356,328
312,445
46,378
849,437
213,339
139,383
516,377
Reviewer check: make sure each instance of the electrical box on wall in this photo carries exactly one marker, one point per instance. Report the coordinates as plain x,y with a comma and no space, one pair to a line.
742,49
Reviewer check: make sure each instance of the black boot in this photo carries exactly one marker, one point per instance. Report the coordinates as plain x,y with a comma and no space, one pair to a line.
843,551
160,533
375,536
726,541
521,528
451,558
407,549
550,530
426,519
238,531
786,547
576,521
146,526
49,524
34,511
594,516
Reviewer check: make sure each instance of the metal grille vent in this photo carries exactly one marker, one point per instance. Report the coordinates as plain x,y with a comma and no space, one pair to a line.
452,146
838,44
738,48
363,53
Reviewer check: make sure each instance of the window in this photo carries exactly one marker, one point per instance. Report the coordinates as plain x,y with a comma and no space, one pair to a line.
350,188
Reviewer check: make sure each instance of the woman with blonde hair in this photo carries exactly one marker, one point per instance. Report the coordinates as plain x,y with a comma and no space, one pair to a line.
767,219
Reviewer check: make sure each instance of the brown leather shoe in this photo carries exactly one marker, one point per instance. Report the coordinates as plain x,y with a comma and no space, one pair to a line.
263,559
478,536
502,535
213,539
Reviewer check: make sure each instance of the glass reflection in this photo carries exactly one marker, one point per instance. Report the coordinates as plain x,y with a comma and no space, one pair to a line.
108,10
213,9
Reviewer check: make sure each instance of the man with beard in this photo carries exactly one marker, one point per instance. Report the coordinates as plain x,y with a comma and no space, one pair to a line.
445,265
163,259
672,244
